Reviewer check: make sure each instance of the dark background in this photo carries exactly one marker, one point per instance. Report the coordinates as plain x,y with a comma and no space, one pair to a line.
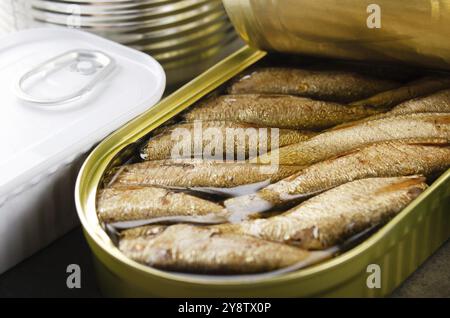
44,274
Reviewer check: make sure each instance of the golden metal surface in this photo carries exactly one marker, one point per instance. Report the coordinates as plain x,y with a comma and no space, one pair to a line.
413,31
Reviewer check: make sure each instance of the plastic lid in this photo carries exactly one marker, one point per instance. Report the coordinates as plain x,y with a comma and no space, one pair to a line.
62,91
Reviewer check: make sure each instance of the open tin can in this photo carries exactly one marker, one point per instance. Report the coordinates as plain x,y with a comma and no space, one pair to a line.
62,93
399,247
295,27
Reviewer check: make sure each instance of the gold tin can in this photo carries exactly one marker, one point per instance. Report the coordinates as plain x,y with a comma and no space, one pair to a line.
399,247
413,31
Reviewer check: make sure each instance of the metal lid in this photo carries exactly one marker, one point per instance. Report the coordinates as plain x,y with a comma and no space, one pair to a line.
63,91
414,31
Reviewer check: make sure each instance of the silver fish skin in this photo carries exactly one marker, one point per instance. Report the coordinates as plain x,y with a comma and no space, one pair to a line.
333,216
353,135
161,145
195,249
136,203
435,103
333,85
412,90
283,111
385,159
438,102
189,173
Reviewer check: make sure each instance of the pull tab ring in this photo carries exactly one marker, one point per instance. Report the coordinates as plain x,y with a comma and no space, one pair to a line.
82,58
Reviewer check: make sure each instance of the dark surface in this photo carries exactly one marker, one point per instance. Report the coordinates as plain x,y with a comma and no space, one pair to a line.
44,274
432,279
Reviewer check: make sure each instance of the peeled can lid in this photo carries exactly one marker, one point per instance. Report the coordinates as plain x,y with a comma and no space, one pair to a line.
62,91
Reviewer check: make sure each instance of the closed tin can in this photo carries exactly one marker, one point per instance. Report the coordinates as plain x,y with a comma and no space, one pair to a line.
414,31
62,93
399,247
166,29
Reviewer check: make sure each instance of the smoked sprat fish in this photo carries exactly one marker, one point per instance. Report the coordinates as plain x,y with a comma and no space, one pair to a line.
335,85
356,144
395,72
136,203
189,248
236,138
353,135
283,111
422,87
438,102
384,159
331,217
196,173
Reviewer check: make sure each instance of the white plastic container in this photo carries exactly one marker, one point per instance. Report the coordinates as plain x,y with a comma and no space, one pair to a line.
48,123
